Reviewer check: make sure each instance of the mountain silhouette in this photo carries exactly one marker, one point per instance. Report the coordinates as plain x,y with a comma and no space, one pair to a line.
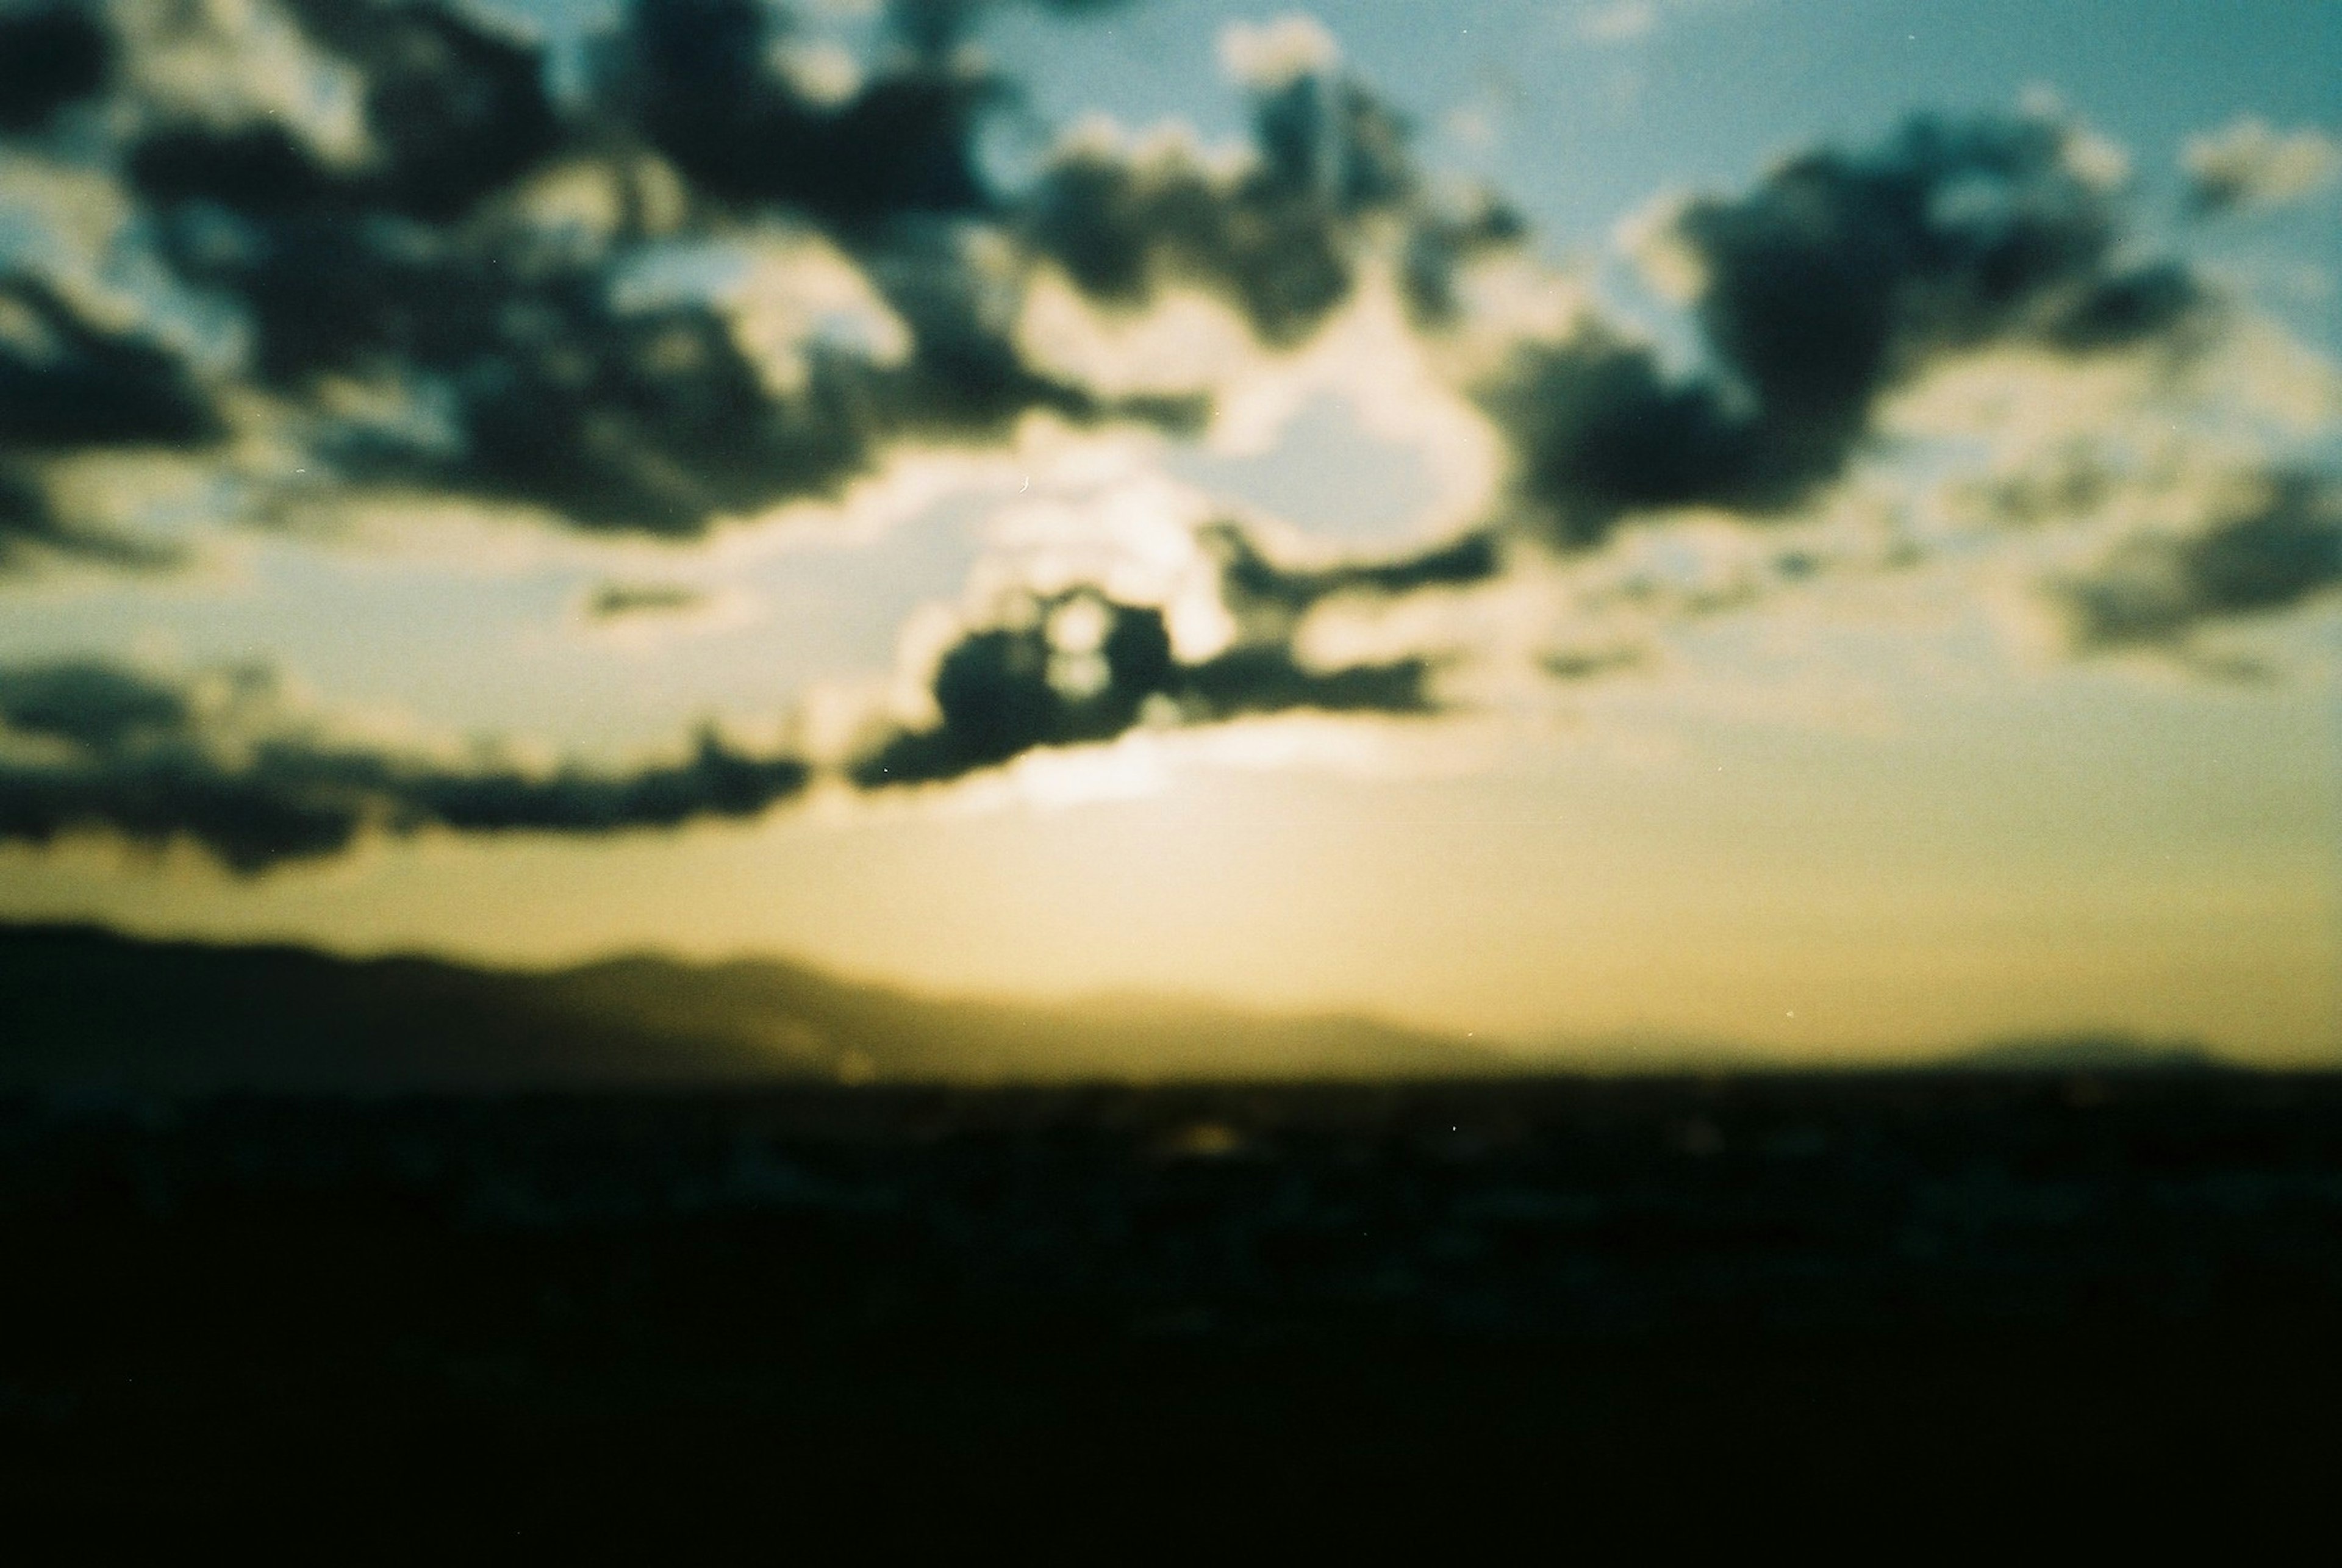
2088,1053
86,1008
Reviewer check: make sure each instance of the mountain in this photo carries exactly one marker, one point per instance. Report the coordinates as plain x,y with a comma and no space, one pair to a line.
2087,1054
83,1007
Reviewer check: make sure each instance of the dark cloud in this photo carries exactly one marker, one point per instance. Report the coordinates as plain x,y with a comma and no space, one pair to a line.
1593,663
536,377
1839,276
452,110
1444,240
1279,238
91,746
705,82
1261,591
650,420
67,382
1078,668
2279,549
71,384
700,79
1270,678
28,525
618,600
50,56
412,266
547,386
95,747
527,365
1598,430
31,529
24,516
99,707
2162,301
533,375
529,370
531,383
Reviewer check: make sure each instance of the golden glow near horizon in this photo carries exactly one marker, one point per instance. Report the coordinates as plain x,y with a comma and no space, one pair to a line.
2094,852
2013,712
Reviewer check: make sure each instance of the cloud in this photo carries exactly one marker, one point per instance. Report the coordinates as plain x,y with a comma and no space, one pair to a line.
2250,165
226,764
447,283
1259,589
93,747
733,273
618,600
453,109
437,279
91,706
1593,663
67,384
704,81
1078,666
2275,544
1620,22
1837,278
31,527
50,56
1273,54
698,77
401,218
1280,234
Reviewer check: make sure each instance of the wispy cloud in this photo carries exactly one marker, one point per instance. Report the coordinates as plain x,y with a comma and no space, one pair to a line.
1620,22
225,763
618,600
2250,165
2274,543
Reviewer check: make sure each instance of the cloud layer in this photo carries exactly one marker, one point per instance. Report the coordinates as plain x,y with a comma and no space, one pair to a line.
1077,668
727,273
2275,544
70,383
87,746
523,296
468,254
1837,278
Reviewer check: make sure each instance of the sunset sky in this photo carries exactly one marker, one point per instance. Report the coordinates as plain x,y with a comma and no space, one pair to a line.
1809,524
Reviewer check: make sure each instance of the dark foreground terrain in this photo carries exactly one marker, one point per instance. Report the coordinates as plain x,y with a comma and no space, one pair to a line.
1656,1307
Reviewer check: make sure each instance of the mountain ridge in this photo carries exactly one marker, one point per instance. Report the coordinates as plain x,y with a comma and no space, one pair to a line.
84,1006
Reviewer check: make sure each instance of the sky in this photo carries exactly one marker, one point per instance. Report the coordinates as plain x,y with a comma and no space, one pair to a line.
1807,524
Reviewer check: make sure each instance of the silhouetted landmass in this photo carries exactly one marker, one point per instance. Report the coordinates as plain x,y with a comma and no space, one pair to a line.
86,1008
1187,1317
2090,1053
706,1293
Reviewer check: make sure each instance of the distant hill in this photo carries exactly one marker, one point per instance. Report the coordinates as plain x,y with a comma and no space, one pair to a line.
1658,1054
2087,1054
82,1007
